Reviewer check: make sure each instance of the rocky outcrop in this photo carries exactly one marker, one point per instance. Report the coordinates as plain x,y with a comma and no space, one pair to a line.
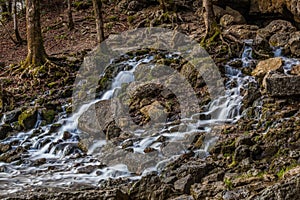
278,7
276,34
281,85
288,188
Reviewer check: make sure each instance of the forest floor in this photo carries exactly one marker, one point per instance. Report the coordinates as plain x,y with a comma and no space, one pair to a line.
58,39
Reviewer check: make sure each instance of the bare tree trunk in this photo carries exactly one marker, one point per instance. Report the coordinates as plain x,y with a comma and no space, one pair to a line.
15,19
163,5
211,25
70,17
99,20
5,10
36,52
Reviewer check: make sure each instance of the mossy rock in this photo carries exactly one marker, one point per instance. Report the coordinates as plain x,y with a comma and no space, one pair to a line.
28,118
48,115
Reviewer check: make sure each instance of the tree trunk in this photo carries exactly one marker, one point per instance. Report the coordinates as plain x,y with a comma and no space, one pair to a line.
70,17
5,11
211,25
15,19
99,20
36,52
163,5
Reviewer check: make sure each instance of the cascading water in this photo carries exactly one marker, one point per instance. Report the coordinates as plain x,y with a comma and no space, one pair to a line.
54,159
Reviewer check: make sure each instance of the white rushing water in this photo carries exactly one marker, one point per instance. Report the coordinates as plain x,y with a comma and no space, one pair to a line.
52,161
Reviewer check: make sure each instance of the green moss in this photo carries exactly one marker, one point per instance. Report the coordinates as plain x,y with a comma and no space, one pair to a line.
232,164
228,183
27,118
52,84
284,170
48,115
130,19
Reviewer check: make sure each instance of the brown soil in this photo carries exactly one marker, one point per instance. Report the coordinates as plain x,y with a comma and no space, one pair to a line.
58,39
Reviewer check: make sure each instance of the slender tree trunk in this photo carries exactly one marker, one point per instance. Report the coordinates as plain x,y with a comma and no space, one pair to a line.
36,52
5,11
9,6
163,5
211,25
99,20
70,17
15,19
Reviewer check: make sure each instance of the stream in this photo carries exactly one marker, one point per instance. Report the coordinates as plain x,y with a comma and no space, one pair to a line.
53,159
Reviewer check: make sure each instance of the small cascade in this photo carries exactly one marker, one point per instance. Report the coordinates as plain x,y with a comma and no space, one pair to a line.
228,108
38,120
54,158
3,119
288,63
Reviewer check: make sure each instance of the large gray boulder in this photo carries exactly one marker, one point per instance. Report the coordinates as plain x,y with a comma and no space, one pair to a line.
281,85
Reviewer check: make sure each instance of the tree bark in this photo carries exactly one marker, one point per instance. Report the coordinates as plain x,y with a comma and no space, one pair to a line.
211,25
36,52
70,17
15,19
97,4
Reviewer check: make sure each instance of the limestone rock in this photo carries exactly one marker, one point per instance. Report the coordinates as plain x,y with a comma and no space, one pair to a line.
281,85
263,67
97,118
294,44
242,32
296,70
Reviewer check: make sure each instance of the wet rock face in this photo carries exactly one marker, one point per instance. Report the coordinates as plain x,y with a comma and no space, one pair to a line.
281,85
97,118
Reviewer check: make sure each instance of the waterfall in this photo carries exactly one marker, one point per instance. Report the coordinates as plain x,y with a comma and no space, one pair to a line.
71,166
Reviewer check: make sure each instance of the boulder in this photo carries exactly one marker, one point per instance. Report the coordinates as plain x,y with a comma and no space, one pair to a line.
97,118
27,119
151,187
275,34
296,70
228,16
281,85
242,32
294,43
265,66
201,191
285,8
